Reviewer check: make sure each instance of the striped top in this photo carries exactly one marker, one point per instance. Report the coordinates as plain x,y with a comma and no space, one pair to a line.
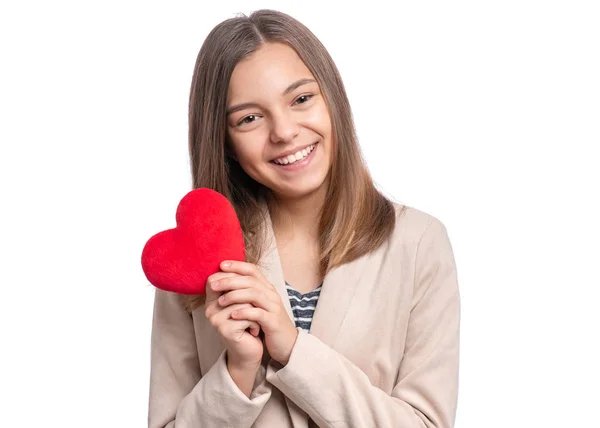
303,305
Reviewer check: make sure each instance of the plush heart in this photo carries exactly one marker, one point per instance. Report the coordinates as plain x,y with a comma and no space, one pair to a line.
208,231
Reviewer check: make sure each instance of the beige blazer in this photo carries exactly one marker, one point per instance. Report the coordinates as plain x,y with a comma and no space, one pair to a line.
382,351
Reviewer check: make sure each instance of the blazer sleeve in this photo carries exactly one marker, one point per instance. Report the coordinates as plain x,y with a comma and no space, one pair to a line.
336,393
180,396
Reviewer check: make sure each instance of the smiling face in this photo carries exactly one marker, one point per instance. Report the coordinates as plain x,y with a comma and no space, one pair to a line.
278,124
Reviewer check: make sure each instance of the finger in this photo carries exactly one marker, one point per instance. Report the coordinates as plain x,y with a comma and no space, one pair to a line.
252,314
235,329
214,308
218,275
254,328
211,294
243,268
237,282
256,297
218,314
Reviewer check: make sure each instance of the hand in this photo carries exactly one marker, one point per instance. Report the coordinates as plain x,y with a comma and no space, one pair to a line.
250,286
244,349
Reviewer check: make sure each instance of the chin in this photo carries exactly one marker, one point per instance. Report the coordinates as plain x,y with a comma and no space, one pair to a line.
302,190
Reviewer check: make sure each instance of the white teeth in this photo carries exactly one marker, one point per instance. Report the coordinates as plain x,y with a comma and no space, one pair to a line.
299,155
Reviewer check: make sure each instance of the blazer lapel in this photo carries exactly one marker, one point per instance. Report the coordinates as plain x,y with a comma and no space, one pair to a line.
339,287
271,265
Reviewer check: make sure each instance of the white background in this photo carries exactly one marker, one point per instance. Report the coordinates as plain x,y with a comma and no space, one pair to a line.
484,114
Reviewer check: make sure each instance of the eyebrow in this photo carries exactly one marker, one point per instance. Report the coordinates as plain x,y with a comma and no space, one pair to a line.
289,89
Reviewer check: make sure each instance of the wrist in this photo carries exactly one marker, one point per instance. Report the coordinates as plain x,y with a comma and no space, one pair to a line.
243,376
241,366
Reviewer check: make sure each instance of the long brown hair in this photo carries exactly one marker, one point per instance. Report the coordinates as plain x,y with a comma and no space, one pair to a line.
357,218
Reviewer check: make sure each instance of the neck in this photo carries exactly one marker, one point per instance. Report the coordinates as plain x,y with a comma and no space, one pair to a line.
297,217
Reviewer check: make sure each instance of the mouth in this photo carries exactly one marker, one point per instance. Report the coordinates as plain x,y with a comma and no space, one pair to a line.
299,157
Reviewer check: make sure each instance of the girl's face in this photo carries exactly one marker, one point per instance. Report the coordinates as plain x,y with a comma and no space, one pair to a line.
278,124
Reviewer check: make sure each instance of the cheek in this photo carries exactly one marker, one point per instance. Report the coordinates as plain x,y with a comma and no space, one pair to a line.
320,119
246,150
252,166
252,161
324,125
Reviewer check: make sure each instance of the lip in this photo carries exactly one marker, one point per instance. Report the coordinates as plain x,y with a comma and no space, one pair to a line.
298,165
292,152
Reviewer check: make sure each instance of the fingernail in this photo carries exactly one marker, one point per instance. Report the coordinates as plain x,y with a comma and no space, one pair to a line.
226,264
215,285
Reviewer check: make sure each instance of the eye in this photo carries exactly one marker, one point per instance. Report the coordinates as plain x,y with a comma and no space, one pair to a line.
305,97
245,120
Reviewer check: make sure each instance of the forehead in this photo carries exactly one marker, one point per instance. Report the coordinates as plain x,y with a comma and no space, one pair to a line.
267,72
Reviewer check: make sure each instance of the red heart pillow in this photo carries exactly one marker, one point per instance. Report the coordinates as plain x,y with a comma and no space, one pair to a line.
208,231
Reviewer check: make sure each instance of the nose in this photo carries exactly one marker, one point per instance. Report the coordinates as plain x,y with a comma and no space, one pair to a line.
284,128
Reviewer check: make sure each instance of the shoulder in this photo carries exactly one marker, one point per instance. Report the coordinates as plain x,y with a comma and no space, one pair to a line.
414,225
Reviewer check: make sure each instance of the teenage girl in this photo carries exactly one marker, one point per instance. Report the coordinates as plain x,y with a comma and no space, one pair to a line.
346,310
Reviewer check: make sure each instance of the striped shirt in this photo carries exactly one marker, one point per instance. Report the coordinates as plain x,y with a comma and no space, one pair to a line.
303,305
